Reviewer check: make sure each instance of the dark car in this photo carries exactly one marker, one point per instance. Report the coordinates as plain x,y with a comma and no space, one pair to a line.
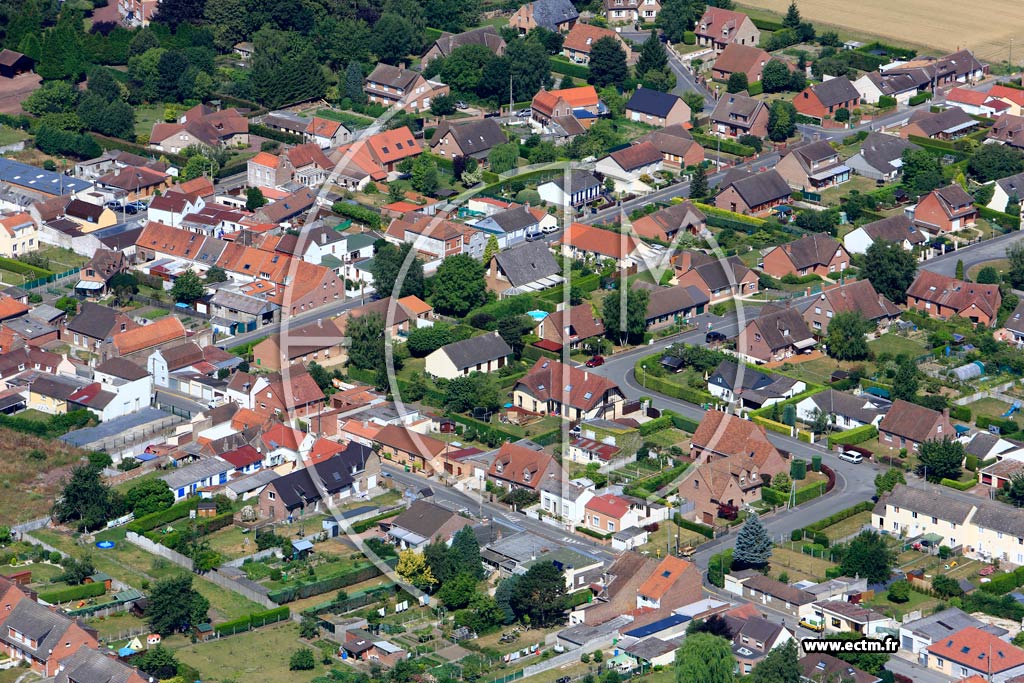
595,362
714,338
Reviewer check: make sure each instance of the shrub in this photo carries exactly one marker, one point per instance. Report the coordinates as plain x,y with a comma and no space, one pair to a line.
689,38
71,593
919,98
886,102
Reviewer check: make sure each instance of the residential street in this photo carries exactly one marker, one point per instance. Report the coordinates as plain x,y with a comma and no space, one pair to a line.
973,255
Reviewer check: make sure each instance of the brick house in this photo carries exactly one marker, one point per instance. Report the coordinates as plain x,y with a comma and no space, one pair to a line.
947,209
571,326
395,85
907,425
100,269
408,448
813,166
677,146
664,224
447,43
825,99
718,28
795,602
752,193
606,514
657,108
736,58
775,335
93,326
858,296
40,636
472,139
551,104
673,583
738,114
585,395
518,467
816,254
948,124
581,38
940,296
626,11
554,15
717,279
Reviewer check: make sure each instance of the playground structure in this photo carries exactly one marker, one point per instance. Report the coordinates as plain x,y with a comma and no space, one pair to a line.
1013,408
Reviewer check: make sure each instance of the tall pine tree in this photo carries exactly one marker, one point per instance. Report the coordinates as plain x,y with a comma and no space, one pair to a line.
653,56
792,19
753,545
699,183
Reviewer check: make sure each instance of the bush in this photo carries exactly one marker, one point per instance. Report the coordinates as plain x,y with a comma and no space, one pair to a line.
919,98
71,593
959,485
962,413
301,660
702,529
886,102
1005,426
359,213
689,38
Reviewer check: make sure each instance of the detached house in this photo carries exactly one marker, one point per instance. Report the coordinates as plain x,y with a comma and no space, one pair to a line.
846,411
18,235
948,124
718,28
518,467
657,108
570,326
813,166
743,59
776,334
947,209
554,15
908,425
585,242
880,156
632,168
825,99
897,229
738,114
575,190
93,326
580,39
351,471
940,296
665,224
395,85
483,353
717,279
1008,130
473,139
678,148
525,268
570,392
857,296
816,254
447,43
1006,191
631,11
201,126
581,103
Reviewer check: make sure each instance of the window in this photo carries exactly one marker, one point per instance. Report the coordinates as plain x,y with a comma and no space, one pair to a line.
595,521
611,526
271,495
935,520
914,515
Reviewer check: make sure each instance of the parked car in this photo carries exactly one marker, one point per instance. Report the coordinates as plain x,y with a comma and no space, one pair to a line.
533,236
714,338
461,104
523,113
851,456
548,229
595,362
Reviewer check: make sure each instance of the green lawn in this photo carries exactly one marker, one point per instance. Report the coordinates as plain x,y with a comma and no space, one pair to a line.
256,655
830,197
61,259
894,344
798,565
917,601
8,135
146,116
35,415
992,407
848,526
666,437
1002,265
350,119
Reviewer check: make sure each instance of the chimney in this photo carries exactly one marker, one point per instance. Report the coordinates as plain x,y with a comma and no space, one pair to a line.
585,375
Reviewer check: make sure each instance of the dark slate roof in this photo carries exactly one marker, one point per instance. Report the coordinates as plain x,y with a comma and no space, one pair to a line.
424,518
333,474
758,188
393,76
725,375
736,104
652,102
527,263
1013,185
811,250
125,369
836,91
550,13
93,321
583,180
894,229
782,327
939,122
37,623
862,408
514,219
474,137
925,501
480,349
92,666
879,150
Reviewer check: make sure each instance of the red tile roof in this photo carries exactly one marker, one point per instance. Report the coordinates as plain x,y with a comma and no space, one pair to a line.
608,505
282,436
266,159
242,457
164,330
595,240
324,449
583,36
978,650
524,466
664,577
393,145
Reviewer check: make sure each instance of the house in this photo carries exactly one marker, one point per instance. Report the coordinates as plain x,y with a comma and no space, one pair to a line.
900,86
632,168
753,637
717,279
424,522
13,63
401,319
657,108
880,156
898,229
823,100
813,166
1008,130
577,568
472,139
163,331
518,467
578,41
1010,96
201,126
794,602
673,583
736,58
607,514
631,11
129,386
582,102
568,391
752,193
977,103
447,43
774,335
917,635
325,133
187,480
840,616
570,326
565,500
99,271
821,668
858,296
677,146
349,472
947,209
554,15
484,353
90,665
39,637
667,306
585,242
409,448
948,124
172,207
907,425
433,236
93,326
732,383
942,297
816,254
583,188
389,85
320,342
721,436
131,184
525,268
18,235
584,451
738,114
664,224
511,226
1006,191
718,28
973,652
37,183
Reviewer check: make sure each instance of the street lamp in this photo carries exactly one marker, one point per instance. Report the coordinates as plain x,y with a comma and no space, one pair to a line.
644,375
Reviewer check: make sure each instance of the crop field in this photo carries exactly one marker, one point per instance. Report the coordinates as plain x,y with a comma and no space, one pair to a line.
935,23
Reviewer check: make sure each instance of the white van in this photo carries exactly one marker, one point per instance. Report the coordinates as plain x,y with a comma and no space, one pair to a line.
851,456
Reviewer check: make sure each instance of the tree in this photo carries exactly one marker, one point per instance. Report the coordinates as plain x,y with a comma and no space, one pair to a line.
946,586
780,665
704,658
175,12
677,17
309,628
940,459
987,276
86,500
869,557
67,304
187,287
54,97
922,171
457,592
285,68
775,76
158,662
301,660
629,329
197,166
175,606
699,183
414,568
527,63
551,40
753,545
891,269
737,82
475,390
465,552
354,83
459,285
440,560
540,594
216,274
254,198
714,625
491,249
607,63
991,162
512,328
907,379
818,221
781,121
442,105
148,497
366,345
77,571
503,157
504,594
899,591
424,174
653,56
842,115
845,340
696,104
792,19
388,262
888,480
1015,268
394,38
871,662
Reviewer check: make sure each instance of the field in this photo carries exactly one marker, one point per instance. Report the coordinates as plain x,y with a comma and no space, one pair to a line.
29,486
919,22
798,565
146,116
257,655
894,344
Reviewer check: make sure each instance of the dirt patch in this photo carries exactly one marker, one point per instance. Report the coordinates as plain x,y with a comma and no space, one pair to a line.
29,483
13,91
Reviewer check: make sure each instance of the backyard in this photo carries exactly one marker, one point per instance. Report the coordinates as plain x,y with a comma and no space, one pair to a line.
260,655
146,116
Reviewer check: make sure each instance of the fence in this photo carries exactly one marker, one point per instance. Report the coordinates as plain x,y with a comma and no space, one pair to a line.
31,525
49,279
159,549
253,592
169,305
255,557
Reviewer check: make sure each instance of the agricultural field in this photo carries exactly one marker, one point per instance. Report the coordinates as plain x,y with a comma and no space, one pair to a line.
931,23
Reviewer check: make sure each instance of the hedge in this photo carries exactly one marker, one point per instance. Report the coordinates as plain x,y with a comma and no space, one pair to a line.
359,213
684,423
656,425
1004,583
483,426
655,482
593,534
306,590
727,146
1005,220
919,98
578,598
366,524
561,65
1005,426
548,438
702,529
767,24
853,436
773,497
710,210
962,413
107,142
959,485
162,517
535,353
773,425
86,590
23,268
755,88
274,134
822,524
254,620
809,492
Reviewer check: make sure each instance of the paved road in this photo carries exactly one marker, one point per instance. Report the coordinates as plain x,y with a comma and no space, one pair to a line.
973,255
328,311
686,81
